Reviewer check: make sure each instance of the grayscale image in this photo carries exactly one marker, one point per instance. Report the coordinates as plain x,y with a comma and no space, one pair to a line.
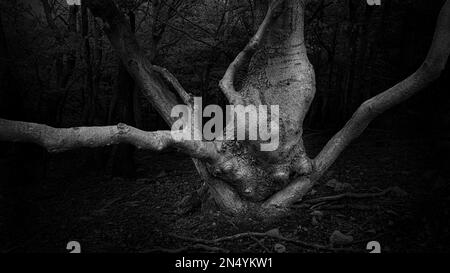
263,127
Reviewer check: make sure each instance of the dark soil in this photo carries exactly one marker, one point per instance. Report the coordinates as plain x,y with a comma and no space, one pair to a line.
137,215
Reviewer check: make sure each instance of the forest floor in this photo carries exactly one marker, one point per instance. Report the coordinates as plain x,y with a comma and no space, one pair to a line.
109,214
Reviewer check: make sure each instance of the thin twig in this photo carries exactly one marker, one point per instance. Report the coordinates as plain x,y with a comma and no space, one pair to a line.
260,234
191,247
252,237
350,206
354,195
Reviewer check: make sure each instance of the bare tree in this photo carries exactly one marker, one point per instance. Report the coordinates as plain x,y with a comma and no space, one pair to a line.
242,179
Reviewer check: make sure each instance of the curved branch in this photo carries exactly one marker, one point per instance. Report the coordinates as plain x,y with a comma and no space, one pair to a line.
57,140
133,57
227,82
429,71
147,79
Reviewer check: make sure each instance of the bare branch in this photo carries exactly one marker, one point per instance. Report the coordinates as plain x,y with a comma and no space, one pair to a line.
185,96
351,195
429,71
147,79
186,19
227,82
133,57
62,139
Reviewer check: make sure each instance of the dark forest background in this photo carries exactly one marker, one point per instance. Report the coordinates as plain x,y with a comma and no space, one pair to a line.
57,67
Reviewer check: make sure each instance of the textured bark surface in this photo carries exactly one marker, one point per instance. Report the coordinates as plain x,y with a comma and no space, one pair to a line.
59,140
279,74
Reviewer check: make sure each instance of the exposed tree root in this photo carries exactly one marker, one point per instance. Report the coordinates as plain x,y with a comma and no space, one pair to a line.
349,206
200,247
351,195
270,234
320,202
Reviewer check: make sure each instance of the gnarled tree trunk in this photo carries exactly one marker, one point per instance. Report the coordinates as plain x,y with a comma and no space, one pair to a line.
242,179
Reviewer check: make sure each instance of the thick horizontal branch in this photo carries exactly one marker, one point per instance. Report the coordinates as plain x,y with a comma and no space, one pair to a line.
63,139
227,82
429,71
